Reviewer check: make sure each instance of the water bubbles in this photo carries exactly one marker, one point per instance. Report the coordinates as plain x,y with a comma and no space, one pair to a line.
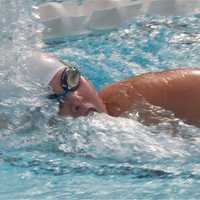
99,153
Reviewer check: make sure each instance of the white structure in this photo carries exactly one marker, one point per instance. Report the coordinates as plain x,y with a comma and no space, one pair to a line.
171,7
71,18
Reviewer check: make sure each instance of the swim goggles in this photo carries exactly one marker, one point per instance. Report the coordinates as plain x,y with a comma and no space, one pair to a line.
69,81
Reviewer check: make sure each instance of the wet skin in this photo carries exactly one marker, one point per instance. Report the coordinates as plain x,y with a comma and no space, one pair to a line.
175,90
80,102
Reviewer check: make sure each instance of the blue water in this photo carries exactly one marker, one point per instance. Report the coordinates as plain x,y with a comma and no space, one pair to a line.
44,156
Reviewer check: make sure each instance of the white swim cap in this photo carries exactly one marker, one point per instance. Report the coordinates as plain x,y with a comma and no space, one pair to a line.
42,67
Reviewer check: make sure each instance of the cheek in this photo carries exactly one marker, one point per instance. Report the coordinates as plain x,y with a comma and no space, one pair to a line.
64,109
88,93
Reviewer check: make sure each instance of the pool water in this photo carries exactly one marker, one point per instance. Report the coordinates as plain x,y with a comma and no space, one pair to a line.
44,156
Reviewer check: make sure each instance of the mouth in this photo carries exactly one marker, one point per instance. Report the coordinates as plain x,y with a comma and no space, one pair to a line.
90,110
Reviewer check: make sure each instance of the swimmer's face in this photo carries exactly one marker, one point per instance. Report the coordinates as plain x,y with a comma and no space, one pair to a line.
80,102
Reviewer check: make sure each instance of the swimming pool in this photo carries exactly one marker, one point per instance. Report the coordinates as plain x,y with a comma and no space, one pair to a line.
43,156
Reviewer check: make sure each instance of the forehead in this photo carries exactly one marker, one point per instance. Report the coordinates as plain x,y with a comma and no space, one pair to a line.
85,82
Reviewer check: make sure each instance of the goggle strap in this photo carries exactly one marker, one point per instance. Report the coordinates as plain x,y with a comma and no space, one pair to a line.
61,96
64,84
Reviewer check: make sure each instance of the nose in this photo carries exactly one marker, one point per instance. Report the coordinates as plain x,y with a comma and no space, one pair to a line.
76,107
79,107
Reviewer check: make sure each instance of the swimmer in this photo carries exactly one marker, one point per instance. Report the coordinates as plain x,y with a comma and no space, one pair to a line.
175,90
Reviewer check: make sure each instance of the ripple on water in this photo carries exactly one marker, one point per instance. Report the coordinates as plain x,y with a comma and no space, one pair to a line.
44,156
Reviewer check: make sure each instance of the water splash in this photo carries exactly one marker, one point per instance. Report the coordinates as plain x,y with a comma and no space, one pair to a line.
41,152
